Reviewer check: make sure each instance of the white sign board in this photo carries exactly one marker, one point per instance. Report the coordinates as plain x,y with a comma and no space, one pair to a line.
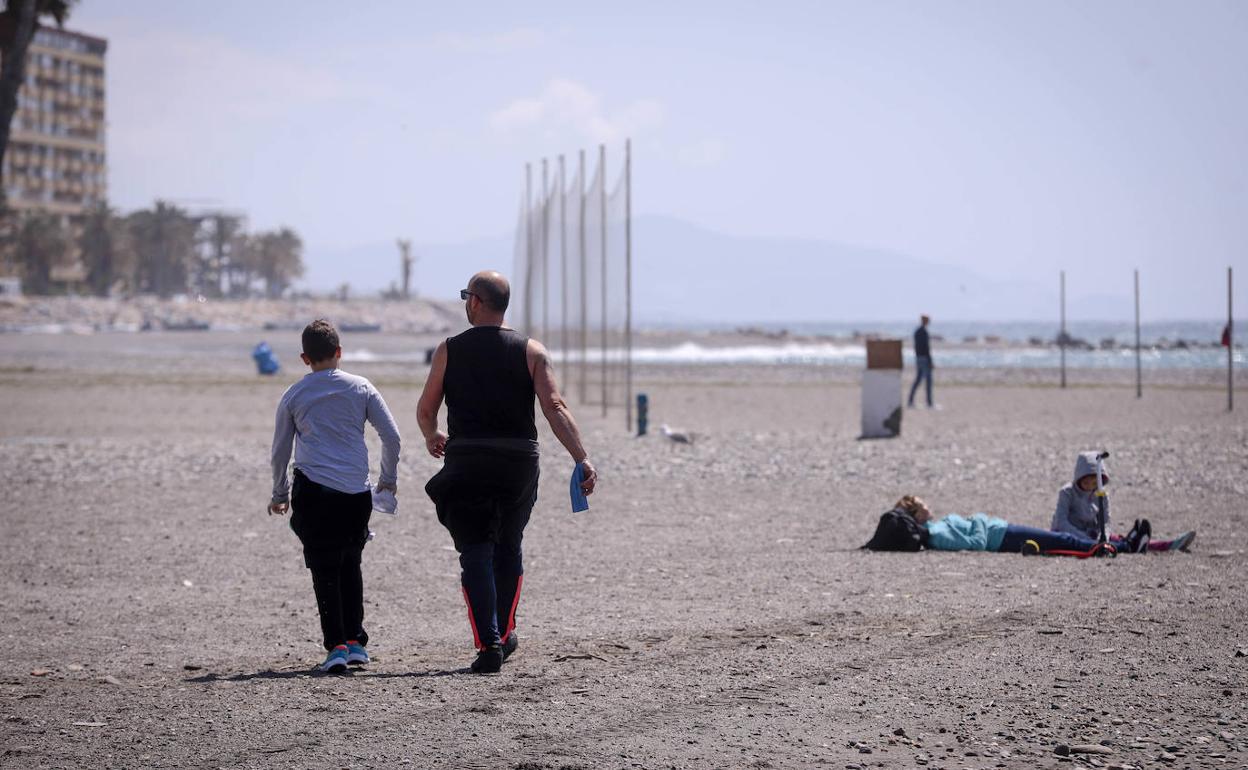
881,403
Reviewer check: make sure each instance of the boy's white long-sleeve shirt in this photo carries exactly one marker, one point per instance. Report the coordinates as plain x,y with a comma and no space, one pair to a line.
327,410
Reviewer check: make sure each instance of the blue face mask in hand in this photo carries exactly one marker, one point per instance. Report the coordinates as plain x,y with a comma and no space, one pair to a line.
579,501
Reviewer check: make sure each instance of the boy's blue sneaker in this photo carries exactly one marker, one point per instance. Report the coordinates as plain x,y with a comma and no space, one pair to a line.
336,661
356,654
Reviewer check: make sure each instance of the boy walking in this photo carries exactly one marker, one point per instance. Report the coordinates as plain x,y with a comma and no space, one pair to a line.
330,498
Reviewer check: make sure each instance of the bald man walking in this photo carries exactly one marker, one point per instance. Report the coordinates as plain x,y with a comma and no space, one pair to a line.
484,494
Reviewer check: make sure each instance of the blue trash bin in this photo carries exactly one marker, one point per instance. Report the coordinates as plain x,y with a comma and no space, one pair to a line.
266,362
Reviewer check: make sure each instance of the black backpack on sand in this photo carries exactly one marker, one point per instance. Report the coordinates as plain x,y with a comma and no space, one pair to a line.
897,531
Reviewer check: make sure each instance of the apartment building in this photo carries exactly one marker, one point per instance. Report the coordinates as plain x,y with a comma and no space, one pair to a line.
56,156
55,162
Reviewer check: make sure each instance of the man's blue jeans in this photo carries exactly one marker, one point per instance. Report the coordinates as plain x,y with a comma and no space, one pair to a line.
924,365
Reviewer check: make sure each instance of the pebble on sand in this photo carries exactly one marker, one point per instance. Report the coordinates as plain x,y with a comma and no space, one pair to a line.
1090,748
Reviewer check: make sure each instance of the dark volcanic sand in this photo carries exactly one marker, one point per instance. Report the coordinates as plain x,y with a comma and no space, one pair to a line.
709,610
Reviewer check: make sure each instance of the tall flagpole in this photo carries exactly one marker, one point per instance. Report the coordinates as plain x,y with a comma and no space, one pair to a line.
545,255
1139,375
602,222
563,270
528,249
1061,340
584,292
628,281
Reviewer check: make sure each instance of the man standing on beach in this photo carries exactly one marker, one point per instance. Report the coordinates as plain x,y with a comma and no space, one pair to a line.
922,361
489,376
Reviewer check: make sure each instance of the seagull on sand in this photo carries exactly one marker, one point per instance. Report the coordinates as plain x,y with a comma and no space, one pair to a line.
676,436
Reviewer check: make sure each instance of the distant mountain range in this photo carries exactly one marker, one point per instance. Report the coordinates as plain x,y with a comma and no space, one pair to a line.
686,274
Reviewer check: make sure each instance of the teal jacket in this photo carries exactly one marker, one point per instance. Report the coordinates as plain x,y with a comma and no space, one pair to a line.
980,532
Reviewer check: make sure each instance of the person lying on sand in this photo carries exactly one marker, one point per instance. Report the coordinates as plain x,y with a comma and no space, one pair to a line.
1078,510
909,526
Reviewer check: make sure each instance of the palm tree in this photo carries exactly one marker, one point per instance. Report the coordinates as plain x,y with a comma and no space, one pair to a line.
18,22
164,245
244,263
40,245
105,250
218,236
280,260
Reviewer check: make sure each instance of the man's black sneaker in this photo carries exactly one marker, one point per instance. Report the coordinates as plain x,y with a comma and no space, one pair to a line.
510,645
489,660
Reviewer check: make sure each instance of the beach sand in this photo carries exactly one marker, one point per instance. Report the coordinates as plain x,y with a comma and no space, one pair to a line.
709,610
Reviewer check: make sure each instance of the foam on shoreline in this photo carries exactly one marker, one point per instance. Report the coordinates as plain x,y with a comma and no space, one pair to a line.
854,355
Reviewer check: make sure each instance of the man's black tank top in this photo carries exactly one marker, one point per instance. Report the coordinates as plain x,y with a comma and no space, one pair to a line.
488,386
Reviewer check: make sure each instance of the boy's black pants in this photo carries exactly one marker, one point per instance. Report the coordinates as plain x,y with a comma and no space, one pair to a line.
333,527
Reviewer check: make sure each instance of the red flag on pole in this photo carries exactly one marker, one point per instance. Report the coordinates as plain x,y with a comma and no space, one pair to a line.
1226,336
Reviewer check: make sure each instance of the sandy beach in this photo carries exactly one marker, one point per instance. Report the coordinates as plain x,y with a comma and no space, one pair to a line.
710,610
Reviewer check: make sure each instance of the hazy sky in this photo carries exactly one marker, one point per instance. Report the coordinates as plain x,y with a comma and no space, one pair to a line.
1012,138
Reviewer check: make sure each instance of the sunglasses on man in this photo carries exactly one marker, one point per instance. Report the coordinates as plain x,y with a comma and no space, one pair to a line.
464,294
